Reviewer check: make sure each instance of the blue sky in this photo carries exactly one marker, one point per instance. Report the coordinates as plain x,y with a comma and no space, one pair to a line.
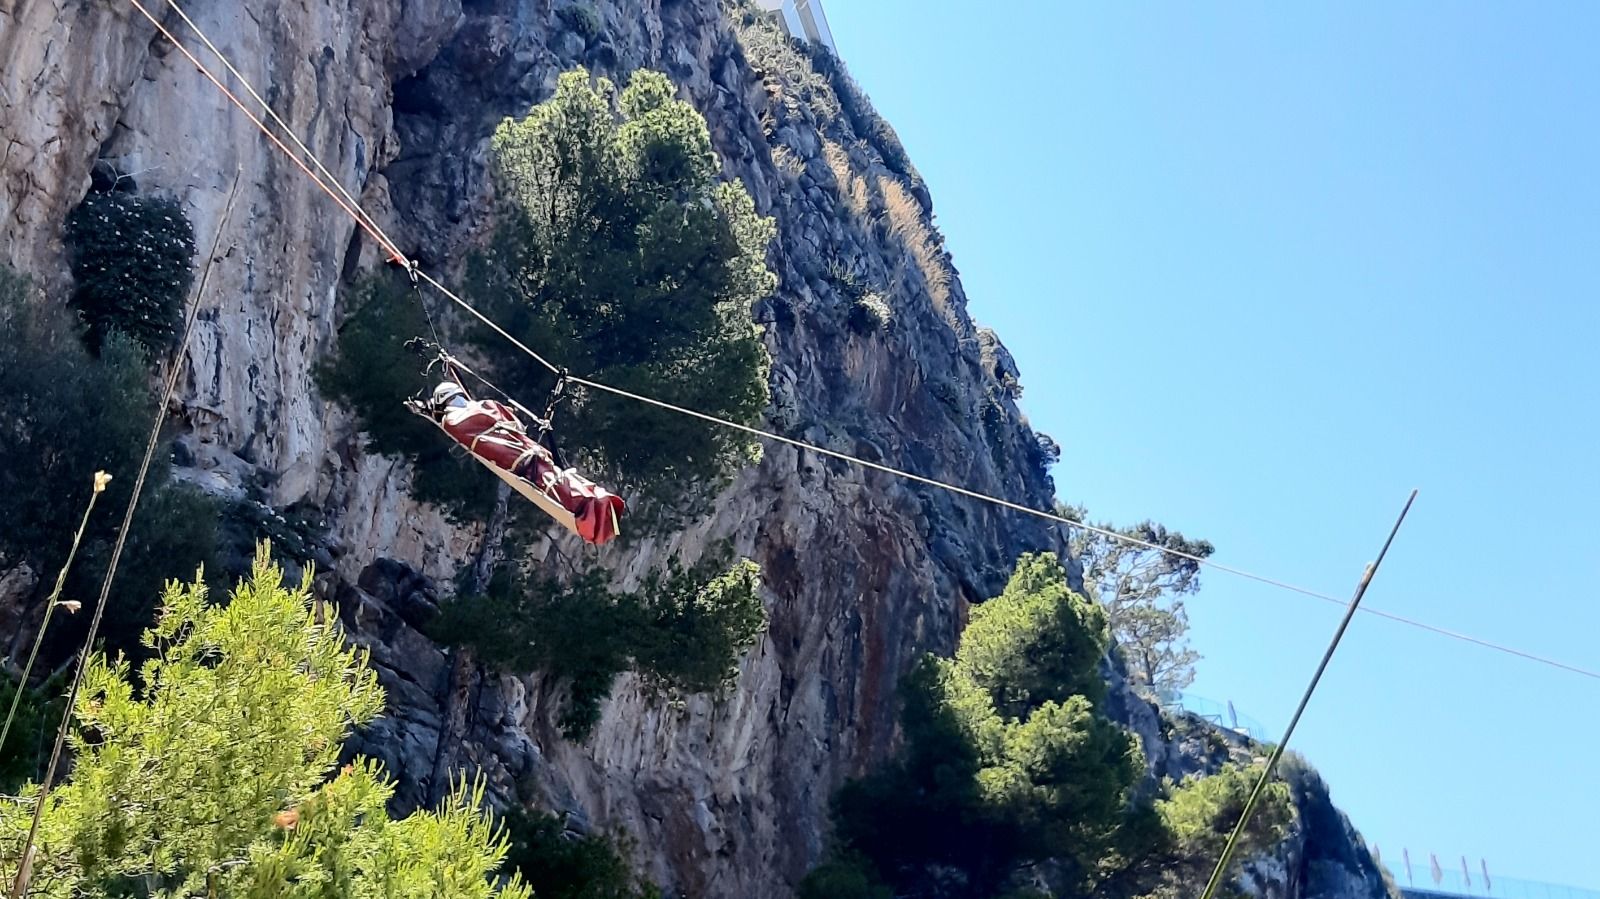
1266,267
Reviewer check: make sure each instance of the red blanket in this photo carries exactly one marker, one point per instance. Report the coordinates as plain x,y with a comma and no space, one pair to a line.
493,432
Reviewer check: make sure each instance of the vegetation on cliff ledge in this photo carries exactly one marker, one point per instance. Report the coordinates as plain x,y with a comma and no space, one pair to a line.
1012,778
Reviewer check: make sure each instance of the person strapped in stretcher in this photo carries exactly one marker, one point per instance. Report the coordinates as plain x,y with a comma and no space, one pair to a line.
493,433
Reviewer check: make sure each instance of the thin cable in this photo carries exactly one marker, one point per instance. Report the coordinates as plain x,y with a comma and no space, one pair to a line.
19,888
1486,644
1277,751
1112,535
1016,507
245,83
388,246
422,300
99,486
554,369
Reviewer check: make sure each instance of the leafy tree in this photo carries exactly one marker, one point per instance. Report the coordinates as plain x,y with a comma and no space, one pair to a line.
1170,847
1143,592
556,866
212,777
1007,758
920,823
372,373
1038,641
683,631
1202,811
698,622
132,260
849,877
66,415
627,260
1007,762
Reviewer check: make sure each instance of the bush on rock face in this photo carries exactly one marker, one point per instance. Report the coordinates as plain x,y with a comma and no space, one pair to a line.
132,261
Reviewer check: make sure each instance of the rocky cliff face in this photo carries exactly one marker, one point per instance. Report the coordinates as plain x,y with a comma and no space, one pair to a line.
725,795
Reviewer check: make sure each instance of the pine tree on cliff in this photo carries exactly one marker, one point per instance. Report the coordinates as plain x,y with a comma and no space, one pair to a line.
626,258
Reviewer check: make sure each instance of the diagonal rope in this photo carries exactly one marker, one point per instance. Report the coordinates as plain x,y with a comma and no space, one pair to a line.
99,487
486,320
972,494
1051,516
354,204
383,240
19,888
1232,845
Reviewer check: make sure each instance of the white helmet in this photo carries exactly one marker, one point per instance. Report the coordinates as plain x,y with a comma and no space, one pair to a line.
445,392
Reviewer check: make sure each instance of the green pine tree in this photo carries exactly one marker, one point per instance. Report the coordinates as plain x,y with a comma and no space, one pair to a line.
208,774
629,261
1009,762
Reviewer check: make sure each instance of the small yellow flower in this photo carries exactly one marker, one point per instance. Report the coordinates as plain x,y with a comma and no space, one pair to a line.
101,479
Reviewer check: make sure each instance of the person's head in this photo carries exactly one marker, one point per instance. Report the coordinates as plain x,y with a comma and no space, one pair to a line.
448,395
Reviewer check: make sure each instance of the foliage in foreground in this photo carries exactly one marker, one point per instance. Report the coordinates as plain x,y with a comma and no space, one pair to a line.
212,778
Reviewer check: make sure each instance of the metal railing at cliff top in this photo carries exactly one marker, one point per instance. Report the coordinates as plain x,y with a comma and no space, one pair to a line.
1221,714
1424,882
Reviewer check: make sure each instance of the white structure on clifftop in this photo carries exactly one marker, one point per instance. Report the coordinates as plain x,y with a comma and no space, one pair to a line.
803,19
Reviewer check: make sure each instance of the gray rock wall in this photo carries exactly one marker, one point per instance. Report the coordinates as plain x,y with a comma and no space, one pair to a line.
725,796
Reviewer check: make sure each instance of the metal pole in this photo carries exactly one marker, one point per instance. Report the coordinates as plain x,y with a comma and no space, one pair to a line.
1277,751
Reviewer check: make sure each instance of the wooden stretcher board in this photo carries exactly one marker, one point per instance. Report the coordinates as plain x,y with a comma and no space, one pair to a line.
532,494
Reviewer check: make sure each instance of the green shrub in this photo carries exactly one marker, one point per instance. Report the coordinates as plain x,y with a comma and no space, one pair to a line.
1035,643
1169,847
373,373
869,310
27,746
584,21
869,313
215,771
1008,764
557,866
682,631
1007,759
863,117
67,416
1202,811
698,623
132,263
629,261
848,876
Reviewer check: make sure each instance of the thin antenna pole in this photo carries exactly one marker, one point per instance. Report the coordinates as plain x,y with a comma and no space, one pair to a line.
19,887
1277,751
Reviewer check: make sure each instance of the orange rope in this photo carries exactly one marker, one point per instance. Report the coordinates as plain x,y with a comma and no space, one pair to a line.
388,246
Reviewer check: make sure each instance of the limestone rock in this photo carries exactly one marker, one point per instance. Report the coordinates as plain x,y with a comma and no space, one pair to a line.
724,796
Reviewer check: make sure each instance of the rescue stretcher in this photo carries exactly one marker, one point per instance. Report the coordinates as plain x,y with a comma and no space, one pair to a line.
531,493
